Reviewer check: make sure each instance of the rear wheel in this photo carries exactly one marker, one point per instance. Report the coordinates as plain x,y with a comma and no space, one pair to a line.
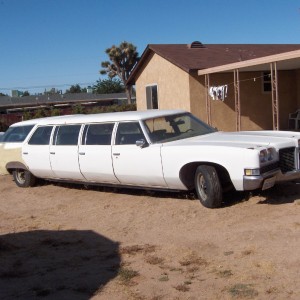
23,178
208,186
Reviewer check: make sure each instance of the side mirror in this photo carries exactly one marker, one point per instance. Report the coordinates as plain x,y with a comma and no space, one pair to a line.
141,143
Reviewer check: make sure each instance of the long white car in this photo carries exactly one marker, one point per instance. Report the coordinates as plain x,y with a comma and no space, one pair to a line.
169,150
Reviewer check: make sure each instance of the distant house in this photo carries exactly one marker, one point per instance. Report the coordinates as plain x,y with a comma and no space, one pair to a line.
12,108
11,104
232,87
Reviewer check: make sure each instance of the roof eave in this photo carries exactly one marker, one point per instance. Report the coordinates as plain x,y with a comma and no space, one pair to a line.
251,62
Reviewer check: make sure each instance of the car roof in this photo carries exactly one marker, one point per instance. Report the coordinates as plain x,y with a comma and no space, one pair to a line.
102,117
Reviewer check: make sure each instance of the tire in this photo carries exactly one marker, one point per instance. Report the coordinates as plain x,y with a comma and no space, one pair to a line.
23,178
208,186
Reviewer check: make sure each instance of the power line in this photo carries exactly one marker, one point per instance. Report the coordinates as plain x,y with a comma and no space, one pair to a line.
43,86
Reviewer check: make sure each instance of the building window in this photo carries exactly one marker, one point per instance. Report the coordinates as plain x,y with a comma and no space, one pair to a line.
151,96
267,82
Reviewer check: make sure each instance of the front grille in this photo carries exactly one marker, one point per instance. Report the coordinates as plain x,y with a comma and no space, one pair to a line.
287,159
269,167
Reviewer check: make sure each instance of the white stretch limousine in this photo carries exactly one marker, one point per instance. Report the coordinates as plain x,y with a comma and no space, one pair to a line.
151,149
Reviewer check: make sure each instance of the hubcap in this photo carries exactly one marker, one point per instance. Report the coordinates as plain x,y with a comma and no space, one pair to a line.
202,187
21,176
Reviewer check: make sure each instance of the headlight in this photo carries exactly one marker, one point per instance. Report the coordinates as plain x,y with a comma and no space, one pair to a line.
263,156
266,155
270,154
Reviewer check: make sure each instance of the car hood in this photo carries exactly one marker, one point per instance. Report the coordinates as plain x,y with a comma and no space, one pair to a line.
243,139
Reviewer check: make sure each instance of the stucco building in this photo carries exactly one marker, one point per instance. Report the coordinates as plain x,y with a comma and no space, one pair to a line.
232,87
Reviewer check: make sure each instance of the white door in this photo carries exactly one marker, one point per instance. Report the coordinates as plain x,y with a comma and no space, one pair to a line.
64,153
134,165
35,153
95,158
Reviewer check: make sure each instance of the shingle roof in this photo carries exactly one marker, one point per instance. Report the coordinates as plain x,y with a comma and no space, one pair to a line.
206,56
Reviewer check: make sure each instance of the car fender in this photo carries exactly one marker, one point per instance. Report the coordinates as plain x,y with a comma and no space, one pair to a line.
12,165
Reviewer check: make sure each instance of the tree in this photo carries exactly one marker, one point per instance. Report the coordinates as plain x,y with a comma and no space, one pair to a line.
55,112
78,109
40,113
108,86
26,93
123,58
74,89
26,115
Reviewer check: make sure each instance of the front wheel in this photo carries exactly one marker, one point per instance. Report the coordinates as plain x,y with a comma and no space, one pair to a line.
208,186
23,178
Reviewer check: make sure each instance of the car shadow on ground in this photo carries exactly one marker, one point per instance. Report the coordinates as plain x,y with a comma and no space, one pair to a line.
135,191
229,198
283,193
56,264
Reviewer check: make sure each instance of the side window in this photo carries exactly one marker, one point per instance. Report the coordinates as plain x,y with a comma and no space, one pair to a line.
128,133
67,135
152,97
41,136
98,134
17,134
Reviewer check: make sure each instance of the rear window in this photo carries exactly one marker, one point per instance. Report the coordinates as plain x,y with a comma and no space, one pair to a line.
17,134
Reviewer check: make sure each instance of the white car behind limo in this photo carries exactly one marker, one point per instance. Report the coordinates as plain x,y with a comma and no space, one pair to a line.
157,149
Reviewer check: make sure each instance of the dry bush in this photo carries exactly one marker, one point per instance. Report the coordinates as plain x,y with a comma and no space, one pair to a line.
154,260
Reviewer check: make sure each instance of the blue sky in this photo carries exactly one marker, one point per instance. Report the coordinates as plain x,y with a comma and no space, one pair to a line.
57,43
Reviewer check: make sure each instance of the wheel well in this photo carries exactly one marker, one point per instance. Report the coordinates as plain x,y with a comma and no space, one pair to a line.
13,165
187,174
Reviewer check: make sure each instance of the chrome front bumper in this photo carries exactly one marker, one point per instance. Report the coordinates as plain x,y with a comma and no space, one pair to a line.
267,180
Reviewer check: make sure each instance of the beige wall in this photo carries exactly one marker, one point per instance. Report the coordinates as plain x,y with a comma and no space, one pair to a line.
222,113
298,87
197,97
172,84
287,87
179,90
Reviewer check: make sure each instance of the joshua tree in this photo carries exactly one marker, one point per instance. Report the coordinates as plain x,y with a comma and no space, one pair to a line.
123,58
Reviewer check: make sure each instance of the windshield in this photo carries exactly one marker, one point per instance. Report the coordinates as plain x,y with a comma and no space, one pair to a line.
16,134
175,127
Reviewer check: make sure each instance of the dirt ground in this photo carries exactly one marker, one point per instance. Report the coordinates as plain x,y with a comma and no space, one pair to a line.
62,241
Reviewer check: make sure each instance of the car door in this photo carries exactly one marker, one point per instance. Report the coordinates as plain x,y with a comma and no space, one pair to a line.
64,152
135,165
95,160
35,152
11,145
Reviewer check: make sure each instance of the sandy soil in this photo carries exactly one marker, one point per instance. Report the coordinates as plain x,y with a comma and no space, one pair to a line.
69,242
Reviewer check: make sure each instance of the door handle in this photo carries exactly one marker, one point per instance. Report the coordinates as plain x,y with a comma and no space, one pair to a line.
25,153
52,153
81,153
116,154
